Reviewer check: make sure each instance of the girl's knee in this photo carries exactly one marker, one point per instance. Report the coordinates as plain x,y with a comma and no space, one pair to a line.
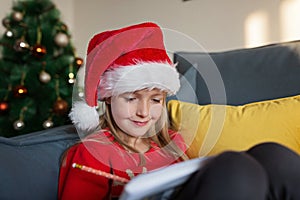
278,160
274,153
235,175
271,147
237,168
282,167
240,165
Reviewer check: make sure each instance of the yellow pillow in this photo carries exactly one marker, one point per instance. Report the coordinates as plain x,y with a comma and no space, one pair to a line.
211,129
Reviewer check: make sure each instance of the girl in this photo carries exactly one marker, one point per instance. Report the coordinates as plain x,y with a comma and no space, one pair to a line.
129,70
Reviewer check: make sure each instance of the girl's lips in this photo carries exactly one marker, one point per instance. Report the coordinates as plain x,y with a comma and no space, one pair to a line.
140,123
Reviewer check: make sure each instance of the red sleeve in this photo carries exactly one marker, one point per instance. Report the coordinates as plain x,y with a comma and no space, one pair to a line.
77,184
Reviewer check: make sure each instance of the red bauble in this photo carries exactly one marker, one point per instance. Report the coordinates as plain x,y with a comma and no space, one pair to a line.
20,91
39,51
4,107
78,61
60,107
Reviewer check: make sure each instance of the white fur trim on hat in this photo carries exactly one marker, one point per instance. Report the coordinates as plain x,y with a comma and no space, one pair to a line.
139,76
84,117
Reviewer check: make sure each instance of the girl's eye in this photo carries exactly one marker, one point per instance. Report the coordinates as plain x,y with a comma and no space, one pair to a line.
129,99
156,100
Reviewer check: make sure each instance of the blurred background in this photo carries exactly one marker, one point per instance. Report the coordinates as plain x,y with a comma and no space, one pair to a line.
216,25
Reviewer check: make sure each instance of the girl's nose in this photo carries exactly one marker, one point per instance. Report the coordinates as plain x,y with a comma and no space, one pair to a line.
143,109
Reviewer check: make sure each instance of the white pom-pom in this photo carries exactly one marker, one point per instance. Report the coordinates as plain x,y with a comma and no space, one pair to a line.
84,117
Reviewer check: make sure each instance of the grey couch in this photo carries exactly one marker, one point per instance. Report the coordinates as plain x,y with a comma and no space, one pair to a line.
30,163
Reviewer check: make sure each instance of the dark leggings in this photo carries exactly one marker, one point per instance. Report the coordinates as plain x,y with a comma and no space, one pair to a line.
267,171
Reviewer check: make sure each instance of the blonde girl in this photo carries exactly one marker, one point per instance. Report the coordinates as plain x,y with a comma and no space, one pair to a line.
130,72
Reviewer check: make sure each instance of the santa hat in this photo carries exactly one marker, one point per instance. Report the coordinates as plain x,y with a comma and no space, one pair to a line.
123,60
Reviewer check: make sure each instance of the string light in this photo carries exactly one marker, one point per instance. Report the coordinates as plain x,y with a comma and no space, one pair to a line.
9,33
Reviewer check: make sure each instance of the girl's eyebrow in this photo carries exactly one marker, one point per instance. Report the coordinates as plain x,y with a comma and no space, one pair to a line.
158,94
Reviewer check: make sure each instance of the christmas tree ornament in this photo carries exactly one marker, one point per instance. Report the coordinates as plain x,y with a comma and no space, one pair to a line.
80,91
21,45
17,16
71,78
4,107
48,124
20,91
44,77
6,22
63,27
9,34
78,61
19,124
71,81
60,106
61,39
38,51
81,94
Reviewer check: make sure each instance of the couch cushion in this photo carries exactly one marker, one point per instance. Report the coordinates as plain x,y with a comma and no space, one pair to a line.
242,76
212,129
30,163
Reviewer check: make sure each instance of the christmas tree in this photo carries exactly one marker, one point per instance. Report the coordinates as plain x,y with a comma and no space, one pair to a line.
37,69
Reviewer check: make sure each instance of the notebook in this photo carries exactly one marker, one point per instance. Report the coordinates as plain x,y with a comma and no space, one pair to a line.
161,183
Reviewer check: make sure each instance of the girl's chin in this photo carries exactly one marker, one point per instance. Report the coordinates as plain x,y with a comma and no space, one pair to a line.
137,135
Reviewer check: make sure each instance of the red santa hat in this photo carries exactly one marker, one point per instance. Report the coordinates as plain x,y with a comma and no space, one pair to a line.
123,60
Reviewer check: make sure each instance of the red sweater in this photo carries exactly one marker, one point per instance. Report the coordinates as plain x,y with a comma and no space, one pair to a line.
109,157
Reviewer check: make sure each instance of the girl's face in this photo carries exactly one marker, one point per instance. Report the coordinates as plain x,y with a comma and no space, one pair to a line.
136,112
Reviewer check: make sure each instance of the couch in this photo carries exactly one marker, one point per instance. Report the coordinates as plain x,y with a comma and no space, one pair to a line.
30,163
232,84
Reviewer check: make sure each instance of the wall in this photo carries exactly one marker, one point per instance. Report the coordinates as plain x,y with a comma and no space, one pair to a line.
216,25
